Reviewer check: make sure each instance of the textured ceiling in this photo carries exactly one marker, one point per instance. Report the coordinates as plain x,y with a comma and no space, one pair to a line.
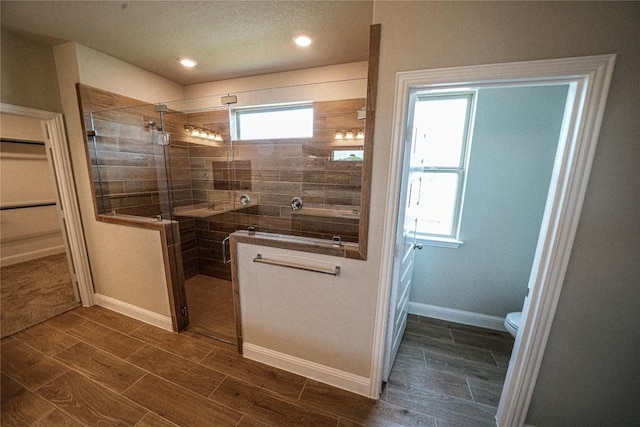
229,39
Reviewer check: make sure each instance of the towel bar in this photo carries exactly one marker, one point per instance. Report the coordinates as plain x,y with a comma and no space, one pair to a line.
334,272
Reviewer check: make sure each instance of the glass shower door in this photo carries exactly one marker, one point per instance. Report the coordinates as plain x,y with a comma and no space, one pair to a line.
129,149
169,182
201,191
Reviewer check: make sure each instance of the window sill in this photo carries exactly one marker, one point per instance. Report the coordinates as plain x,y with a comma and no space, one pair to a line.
441,242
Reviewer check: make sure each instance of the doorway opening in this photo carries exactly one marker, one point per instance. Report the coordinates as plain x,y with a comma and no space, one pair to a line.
588,79
45,269
478,174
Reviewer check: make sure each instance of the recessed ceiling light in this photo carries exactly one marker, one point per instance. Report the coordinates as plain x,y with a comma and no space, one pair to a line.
303,40
186,62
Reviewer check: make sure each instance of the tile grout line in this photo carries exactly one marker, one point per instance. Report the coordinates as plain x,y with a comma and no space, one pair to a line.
466,380
133,383
50,402
148,372
94,320
494,359
41,385
407,409
107,327
424,359
177,385
210,396
55,407
158,415
240,420
44,353
59,409
243,416
224,405
125,359
302,389
213,349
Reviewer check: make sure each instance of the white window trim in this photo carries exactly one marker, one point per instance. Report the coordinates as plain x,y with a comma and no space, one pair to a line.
451,241
441,242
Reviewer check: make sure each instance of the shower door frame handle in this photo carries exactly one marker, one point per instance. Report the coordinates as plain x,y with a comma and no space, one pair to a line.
224,251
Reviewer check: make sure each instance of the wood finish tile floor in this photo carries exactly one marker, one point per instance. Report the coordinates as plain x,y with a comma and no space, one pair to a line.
91,367
210,303
33,291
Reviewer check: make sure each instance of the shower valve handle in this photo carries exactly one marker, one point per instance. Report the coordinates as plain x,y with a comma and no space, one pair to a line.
296,203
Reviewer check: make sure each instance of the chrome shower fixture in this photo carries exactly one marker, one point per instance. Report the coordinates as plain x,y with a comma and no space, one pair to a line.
296,203
160,108
229,99
158,135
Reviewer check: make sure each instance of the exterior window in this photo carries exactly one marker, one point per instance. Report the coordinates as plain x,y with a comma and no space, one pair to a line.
442,125
279,122
348,155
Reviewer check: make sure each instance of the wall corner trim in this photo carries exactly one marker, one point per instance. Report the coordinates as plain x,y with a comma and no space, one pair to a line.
138,313
325,374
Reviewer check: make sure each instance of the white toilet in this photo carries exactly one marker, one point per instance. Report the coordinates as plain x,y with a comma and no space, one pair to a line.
512,322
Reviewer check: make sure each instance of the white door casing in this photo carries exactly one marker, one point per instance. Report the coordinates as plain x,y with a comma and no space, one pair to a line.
589,79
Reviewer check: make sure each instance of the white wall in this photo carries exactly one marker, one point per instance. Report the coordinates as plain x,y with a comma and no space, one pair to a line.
344,81
590,374
337,81
316,317
28,74
107,73
126,262
513,147
25,175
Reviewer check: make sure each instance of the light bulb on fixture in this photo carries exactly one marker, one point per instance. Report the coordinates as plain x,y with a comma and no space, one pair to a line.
303,40
360,135
203,133
186,62
348,135
338,136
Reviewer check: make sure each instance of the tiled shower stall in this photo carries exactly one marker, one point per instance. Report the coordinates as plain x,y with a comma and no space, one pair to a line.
200,185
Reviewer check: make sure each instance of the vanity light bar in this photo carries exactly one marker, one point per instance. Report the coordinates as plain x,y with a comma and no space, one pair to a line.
349,135
203,133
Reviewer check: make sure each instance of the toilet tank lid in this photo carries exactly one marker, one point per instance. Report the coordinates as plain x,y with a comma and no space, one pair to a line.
514,319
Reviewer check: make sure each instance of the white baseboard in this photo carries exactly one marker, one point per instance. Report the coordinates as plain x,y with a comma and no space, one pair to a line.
457,316
28,256
135,312
315,371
